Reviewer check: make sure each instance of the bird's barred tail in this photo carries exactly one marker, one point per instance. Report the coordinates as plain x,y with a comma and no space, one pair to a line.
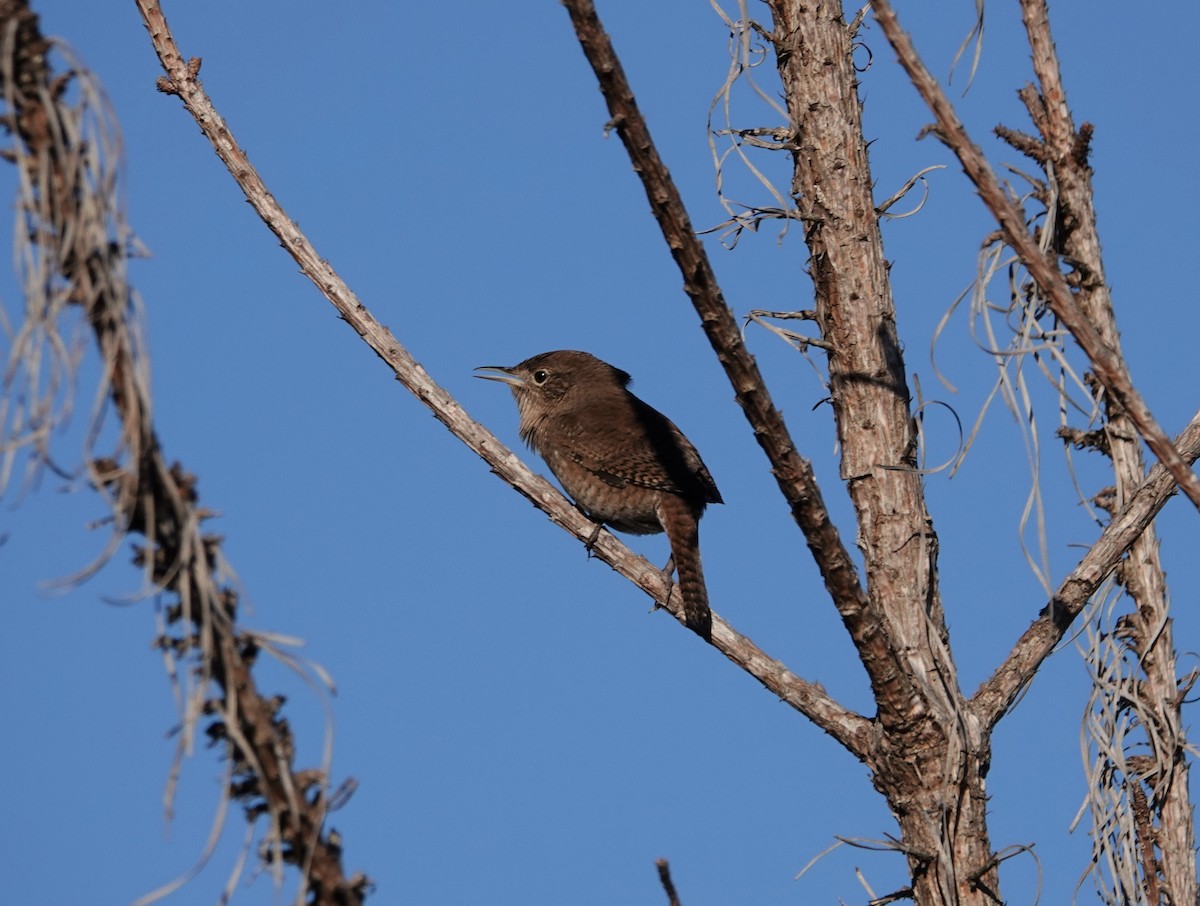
682,525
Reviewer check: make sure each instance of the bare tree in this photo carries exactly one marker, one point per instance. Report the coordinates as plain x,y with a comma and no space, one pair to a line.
928,746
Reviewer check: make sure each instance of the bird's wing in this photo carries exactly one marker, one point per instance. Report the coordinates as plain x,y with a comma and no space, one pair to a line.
648,451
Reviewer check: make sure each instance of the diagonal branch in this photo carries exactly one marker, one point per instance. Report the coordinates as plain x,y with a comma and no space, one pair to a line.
869,394
793,472
1146,631
850,729
997,695
1107,363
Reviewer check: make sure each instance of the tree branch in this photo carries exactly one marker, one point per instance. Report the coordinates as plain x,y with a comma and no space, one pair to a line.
903,644
997,694
664,877
1146,629
182,80
792,472
1107,363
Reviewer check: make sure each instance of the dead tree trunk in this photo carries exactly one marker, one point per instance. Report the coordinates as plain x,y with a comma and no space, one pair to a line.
929,756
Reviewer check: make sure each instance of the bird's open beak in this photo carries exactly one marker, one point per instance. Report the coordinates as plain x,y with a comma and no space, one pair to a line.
504,375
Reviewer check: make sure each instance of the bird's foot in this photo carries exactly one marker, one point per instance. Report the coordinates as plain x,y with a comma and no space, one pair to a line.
589,543
668,572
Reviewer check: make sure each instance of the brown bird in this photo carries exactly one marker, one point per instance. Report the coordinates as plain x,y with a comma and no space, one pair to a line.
624,463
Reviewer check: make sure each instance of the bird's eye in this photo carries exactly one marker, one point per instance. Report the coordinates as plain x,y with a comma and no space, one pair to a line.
539,376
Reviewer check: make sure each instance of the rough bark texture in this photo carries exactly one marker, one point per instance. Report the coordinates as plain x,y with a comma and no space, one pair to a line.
1062,151
792,471
930,758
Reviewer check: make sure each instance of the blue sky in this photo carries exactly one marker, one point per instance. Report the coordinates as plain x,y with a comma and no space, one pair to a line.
521,728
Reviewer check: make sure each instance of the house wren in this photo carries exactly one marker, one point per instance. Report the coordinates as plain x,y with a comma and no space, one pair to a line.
623,462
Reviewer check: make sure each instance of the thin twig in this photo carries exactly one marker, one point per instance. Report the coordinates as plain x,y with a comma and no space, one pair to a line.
664,876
